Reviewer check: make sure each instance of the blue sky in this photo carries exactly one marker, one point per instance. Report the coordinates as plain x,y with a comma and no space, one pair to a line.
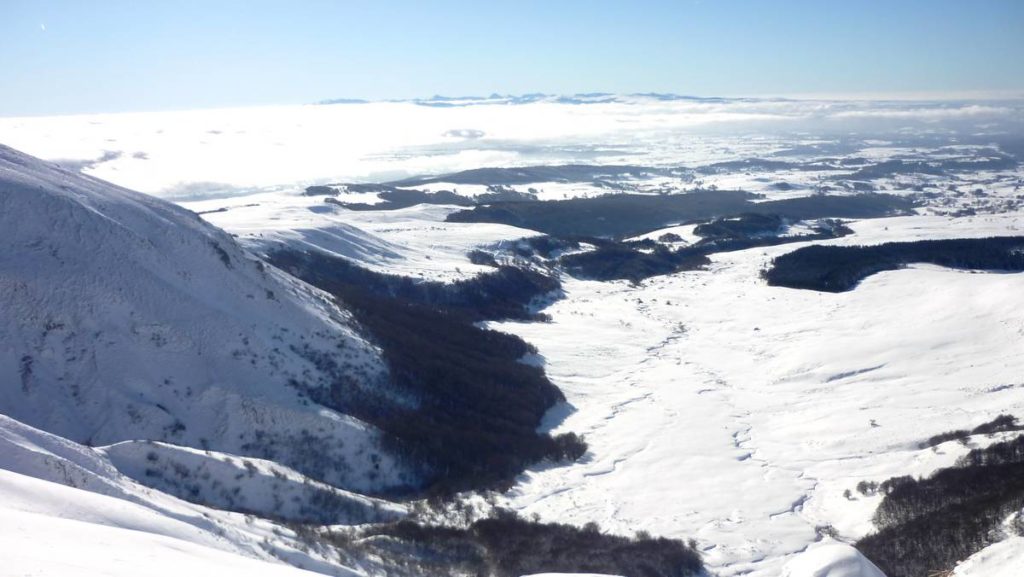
72,56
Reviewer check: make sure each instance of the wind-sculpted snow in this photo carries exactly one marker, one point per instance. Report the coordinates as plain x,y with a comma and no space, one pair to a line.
123,317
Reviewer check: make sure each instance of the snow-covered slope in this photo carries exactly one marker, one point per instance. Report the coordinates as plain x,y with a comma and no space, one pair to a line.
1003,559
67,511
123,317
414,241
831,559
244,484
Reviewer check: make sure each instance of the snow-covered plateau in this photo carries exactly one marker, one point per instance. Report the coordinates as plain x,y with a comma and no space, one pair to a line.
148,410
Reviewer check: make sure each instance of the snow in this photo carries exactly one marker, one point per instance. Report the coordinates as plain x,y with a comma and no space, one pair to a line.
831,559
715,407
719,408
414,241
776,390
124,317
244,484
43,545
1003,559
54,491
793,397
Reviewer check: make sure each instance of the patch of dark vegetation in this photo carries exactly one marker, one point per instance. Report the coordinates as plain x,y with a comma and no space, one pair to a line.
840,268
25,372
505,293
547,247
928,525
618,261
1001,424
1011,144
503,193
319,190
744,225
482,258
535,174
637,260
866,205
475,408
614,215
761,165
751,237
395,198
890,168
506,545
623,215
221,253
210,483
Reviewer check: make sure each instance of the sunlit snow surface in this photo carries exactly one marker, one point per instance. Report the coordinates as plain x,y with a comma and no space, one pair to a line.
720,408
67,511
715,407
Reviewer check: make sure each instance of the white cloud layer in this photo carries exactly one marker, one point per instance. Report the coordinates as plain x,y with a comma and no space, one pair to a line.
191,153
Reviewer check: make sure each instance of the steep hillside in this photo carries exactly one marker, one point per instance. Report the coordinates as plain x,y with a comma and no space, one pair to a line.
57,492
123,318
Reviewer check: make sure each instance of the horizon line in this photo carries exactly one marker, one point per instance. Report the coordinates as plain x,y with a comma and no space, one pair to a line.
577,98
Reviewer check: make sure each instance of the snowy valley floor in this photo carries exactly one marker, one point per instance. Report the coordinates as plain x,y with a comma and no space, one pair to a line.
721,409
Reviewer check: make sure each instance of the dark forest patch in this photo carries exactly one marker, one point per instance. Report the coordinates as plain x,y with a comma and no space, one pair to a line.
473,423
615,215
391,198
535,174
619,261
896,167
762,164
506,545
929,525
1001,424
638,260
624,215
840,268
742,226
505,293
759,230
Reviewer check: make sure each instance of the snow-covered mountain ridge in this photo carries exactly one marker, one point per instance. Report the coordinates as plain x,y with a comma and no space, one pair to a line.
127,318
